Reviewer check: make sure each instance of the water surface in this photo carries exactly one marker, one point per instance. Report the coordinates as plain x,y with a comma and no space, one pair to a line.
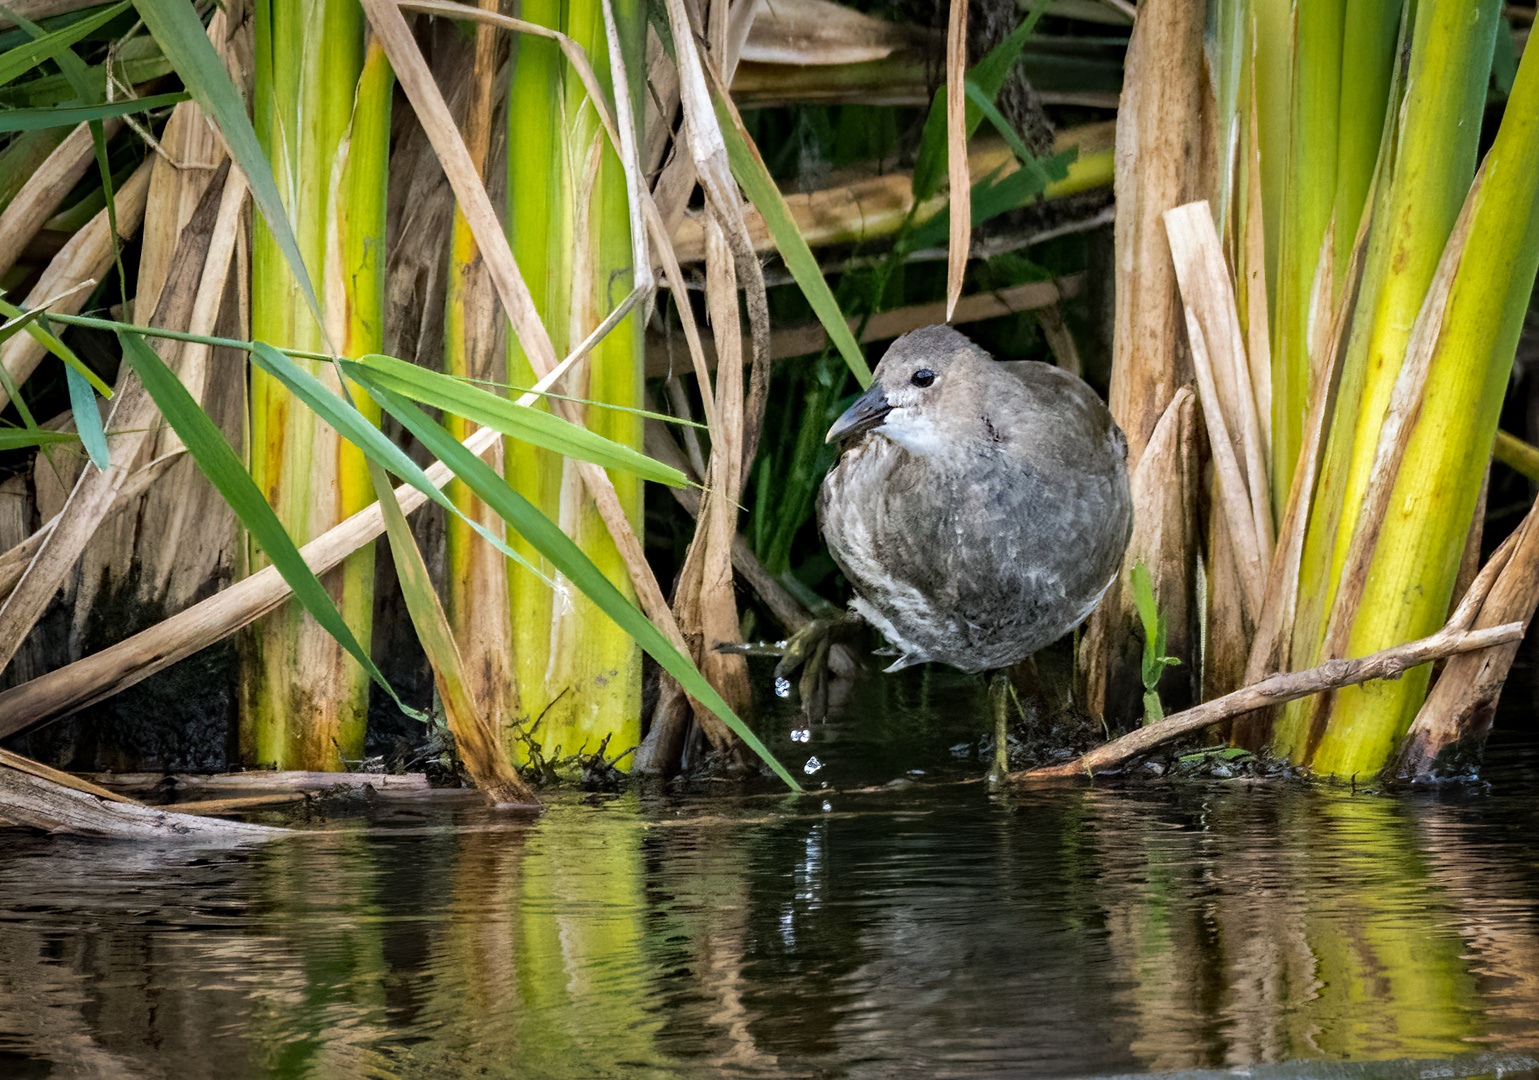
928,930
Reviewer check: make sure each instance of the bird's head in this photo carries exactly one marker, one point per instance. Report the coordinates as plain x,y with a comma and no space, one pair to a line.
911,393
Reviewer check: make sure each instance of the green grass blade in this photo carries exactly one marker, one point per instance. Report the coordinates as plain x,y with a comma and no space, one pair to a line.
570,560
89,92
22,59
750,172
44,337
176,26
16,321
17,438
989,75
992,197
70,115
209,448
376,371
353,426
88,419
991,113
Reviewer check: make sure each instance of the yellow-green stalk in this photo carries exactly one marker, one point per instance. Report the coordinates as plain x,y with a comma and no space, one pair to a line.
1308,195
1432,158
304,702
568,223
1271,81
1421,540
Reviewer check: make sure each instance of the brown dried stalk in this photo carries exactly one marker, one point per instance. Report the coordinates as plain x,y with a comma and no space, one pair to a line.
1462,704
1386,664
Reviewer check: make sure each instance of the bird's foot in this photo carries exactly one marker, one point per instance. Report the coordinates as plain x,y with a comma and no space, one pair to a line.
810,651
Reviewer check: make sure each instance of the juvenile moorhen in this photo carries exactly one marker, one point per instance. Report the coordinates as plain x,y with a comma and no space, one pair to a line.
979,508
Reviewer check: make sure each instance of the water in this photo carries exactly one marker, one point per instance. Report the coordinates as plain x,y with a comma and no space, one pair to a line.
923,930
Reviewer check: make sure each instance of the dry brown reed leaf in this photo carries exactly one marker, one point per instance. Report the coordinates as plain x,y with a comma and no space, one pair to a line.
819,33
790,612
704,601
120,666
1165,538
1230,626
474,736
179,540
41,9
1060,340
44,190
87,256
476,595
675,279
417,80
755,297
961,232
1159,122
808,338
1386,664
643,283
662,104
15,560
1462,704
1224,387
742,17
130,424
876,206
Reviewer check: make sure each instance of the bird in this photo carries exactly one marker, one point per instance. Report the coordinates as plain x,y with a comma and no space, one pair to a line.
979,508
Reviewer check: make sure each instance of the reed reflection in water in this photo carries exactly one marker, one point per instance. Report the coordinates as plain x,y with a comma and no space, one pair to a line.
928,932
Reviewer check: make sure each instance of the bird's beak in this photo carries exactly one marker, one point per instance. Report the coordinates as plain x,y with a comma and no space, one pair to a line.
868,411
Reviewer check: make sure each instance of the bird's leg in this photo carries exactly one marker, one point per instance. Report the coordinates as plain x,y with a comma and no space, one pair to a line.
1000,693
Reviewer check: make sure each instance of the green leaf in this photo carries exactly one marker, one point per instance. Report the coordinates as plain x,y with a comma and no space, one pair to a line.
1154,711
531,425
353,426
44,337
209,448
87,92
88,419
1027,159
1143,599
176,26
70,115
548,539
994,195
18,320
16,438
22,59
749,170
989,74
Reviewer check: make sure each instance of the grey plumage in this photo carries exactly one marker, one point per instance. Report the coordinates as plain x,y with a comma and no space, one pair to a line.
980,508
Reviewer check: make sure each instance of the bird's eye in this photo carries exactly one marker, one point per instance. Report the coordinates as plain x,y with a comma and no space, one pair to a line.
923,377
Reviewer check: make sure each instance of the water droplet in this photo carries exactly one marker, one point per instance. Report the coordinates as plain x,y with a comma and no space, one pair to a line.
782,686
812,766
801,735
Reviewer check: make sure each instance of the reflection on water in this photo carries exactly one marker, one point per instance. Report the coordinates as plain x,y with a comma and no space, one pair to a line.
925,932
